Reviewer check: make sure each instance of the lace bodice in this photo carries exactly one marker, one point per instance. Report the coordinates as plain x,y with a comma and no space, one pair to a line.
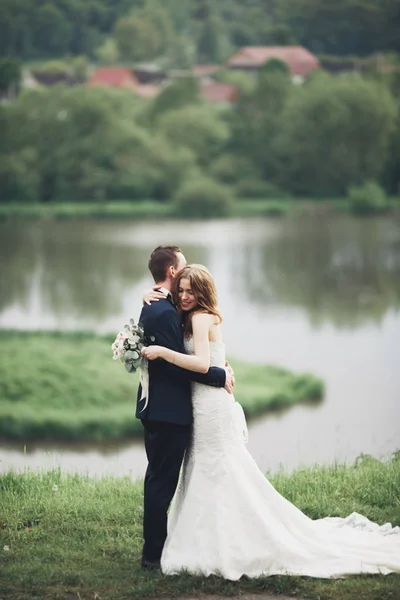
215,405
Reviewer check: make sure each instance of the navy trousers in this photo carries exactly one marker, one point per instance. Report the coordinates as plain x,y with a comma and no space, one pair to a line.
165,445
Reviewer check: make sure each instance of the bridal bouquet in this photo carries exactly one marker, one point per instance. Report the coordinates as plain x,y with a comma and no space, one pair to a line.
129,343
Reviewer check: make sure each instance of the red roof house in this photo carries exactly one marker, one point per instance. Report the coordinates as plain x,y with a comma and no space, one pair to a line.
205,70
219,92
300,61
114,77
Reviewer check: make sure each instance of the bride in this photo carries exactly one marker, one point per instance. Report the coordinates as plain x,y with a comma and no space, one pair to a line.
226,518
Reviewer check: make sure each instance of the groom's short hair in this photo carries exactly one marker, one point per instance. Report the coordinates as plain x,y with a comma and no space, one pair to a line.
161,258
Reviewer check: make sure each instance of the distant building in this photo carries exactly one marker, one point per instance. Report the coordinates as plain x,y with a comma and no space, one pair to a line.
205,72
148,90
299,60
49,78
114,77
149,73
138,82
219,93
179,74
344,64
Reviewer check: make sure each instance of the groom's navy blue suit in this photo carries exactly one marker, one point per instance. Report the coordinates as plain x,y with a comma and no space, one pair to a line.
167,421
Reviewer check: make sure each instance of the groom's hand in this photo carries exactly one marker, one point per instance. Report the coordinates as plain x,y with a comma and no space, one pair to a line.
230,378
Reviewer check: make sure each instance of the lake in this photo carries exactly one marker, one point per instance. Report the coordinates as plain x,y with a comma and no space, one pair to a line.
318,294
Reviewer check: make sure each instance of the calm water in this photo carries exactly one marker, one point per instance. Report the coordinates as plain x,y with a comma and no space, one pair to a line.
321,295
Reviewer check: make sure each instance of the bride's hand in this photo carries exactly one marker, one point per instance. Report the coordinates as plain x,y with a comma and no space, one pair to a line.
152,352
152,296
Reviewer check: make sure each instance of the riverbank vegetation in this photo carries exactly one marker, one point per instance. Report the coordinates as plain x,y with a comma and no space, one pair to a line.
336,135
70,536
359,204
66,386
107,145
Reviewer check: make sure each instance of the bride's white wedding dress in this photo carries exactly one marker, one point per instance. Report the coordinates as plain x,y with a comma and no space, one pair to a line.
227,519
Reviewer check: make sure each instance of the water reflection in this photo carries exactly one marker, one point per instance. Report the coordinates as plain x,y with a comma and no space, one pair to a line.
318,295
65,269
340,270
344,271
68,271
17,263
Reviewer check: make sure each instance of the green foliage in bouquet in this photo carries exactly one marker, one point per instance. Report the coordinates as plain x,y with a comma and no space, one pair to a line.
128,345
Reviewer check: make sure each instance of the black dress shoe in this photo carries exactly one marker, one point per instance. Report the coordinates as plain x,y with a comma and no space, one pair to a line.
151,565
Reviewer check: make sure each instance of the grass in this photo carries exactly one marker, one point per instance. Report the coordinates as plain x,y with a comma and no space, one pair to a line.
76,537
67,210
148,209
66,386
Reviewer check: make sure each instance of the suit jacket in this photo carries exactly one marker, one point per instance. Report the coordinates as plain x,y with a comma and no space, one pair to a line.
169,386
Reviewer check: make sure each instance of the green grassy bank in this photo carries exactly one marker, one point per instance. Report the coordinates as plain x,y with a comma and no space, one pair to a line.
65,537
148,209
66,386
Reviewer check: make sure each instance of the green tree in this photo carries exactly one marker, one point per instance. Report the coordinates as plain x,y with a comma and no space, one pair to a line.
245,82
71,139
136,38
181,53
178,94
80,68
144,34
348,27
52,32
197,128
108,53
202,197
280,35
10,74
55,28
256,122
274,65
19,176
209,44
368,198
81,143
391,176
334,133
155,12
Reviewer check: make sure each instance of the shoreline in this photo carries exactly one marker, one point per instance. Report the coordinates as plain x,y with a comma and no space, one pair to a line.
147,209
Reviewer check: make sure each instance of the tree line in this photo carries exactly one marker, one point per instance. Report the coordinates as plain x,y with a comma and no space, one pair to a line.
319,139
183,32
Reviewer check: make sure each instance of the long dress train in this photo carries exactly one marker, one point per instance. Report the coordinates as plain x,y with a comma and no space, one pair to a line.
227,519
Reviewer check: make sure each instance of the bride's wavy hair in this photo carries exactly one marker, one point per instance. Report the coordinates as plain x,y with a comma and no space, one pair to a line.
204,291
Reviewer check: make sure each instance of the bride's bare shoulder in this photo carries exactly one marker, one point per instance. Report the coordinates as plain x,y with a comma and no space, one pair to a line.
203,319
207,324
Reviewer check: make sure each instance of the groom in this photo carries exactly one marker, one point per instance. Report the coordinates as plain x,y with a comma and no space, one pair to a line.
166,414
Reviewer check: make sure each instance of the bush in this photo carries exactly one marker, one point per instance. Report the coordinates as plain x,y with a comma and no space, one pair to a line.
230,169
275,65
368,198
276,209
204,198
254,188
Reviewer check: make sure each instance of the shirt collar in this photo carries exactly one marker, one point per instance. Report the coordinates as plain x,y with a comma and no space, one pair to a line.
167,293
